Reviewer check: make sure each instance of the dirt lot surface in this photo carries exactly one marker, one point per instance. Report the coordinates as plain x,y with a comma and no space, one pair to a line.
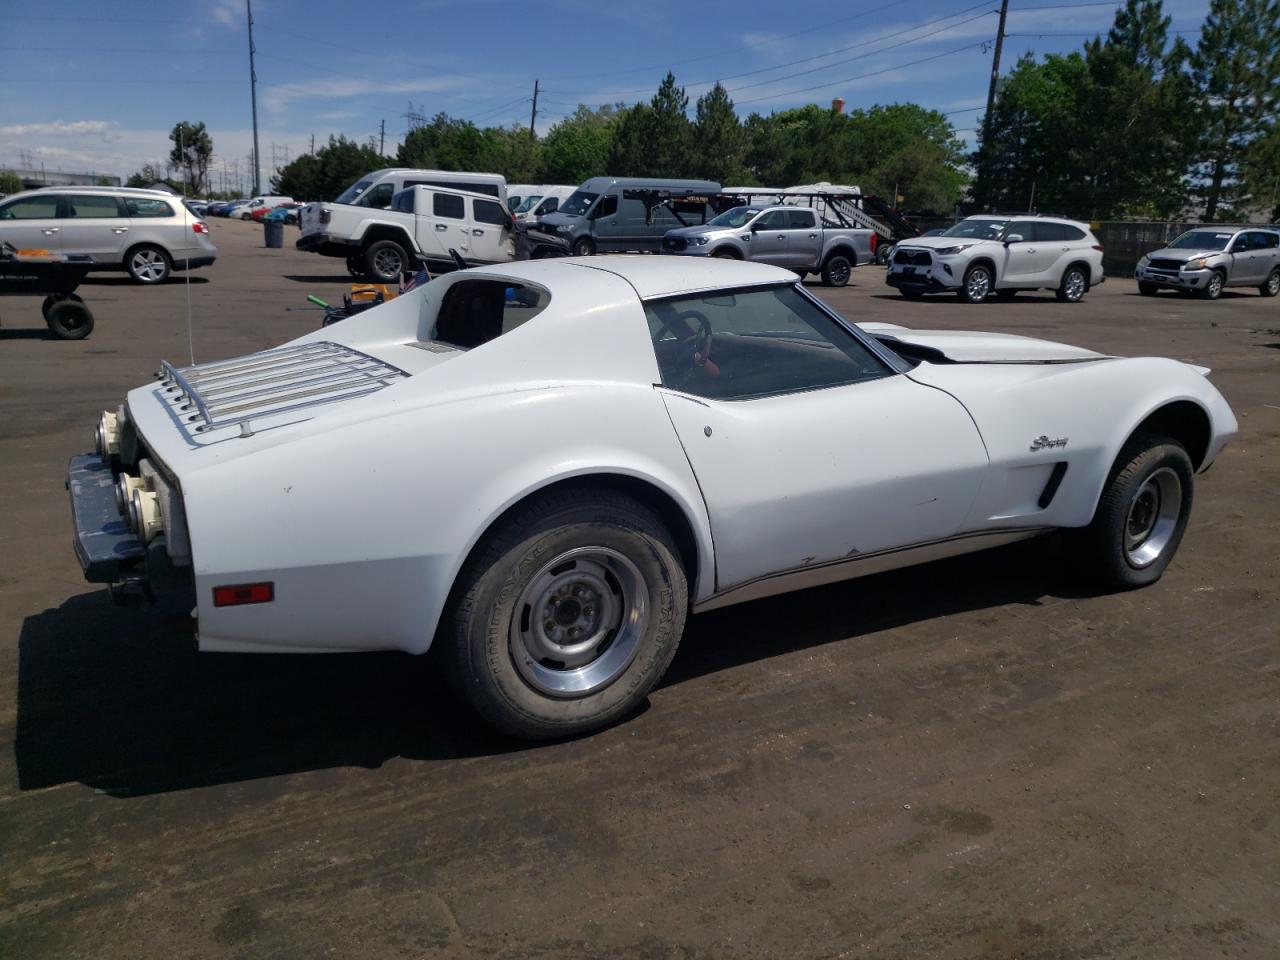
975,759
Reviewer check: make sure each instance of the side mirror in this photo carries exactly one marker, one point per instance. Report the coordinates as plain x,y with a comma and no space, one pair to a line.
1013,238
755,227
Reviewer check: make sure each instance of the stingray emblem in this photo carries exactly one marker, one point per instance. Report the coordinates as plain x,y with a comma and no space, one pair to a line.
1044,443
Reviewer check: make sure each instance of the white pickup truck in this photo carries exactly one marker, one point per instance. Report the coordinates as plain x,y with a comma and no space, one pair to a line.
421,226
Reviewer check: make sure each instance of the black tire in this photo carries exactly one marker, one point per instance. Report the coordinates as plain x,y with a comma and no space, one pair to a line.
884,250
49,301
1148,289
1006,294
1271,286
491,621
1213,289
69,320
148,264
974,291
584,247
355,267
385,261
1074,285
836,270
1105,547
727,253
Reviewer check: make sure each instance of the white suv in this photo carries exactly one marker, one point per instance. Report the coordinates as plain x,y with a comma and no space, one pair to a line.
148,233
1002,255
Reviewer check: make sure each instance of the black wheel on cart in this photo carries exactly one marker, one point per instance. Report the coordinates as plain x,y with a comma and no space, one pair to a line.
51,299
69,319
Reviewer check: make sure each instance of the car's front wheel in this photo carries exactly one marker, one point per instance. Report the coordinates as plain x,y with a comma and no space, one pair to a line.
1141,515
1073,287
584,247
836,271
977,284
1271,286
149,264
1147,289
567,616
1213,288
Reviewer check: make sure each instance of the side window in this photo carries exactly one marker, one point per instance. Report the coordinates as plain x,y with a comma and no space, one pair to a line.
744,344
607,207
801,220
1240,244
448,205
1072,233
403,201
147,207
633,209
379,197
1045,232
1023,228
549,205
773,220
31,208
1262,240
91,205
489,211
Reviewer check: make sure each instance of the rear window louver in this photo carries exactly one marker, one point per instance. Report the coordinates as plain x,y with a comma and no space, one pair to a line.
211,397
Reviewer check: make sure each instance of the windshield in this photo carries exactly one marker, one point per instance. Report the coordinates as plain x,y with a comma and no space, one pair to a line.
578,203
352,193
1202,240
734,218
976,229
528,203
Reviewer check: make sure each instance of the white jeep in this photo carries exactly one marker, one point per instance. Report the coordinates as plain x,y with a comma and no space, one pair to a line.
999,254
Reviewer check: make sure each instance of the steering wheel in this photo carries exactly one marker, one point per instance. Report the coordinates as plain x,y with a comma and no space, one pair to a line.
699,343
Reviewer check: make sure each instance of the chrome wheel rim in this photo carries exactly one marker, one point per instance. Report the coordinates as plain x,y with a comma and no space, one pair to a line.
1152,517
148,265
1074,286
387,263
840,273
1273,284
1215,285
978,285
578,622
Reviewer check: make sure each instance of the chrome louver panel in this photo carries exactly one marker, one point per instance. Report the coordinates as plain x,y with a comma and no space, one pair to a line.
235,393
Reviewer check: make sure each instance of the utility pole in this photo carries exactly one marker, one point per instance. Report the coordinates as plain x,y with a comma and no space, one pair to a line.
995,72
534,115
313,144
253,94
382,135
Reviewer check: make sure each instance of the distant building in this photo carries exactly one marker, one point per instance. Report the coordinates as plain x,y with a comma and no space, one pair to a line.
58,178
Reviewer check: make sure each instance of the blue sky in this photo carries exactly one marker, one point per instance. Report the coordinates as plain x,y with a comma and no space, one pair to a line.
98,85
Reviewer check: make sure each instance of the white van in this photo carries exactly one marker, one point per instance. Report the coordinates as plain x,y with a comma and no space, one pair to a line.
376,189
270,202
517,193
542,200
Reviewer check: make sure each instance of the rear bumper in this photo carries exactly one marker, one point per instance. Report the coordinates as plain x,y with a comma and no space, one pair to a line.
327,245
105,546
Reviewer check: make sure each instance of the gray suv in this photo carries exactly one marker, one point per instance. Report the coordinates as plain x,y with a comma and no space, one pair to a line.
147,233
1206,260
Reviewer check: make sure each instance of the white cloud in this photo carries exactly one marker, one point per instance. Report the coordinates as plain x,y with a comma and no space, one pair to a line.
58,128
279,97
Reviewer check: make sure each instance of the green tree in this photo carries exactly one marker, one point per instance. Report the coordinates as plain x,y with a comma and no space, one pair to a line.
629,152
326,173
719,142
578,147
446,143
1260,172
9,182
1236,73
655,139
906,148
191,153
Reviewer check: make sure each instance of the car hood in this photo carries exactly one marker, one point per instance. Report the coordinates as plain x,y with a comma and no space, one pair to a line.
700,230
938,243
967,346
1182,254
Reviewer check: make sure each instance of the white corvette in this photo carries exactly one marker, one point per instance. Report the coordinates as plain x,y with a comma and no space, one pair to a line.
544,467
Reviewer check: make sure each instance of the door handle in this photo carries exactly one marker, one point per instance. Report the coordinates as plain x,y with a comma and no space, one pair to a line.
477,233
1031,249
781,236
49,231
813,236
1065,249
442,226
118,230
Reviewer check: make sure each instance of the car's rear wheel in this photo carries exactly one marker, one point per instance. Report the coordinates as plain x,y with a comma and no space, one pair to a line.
1213,288
1147,289
584,247
568,615
1141,515
69,320
1271,286
385,261
977,284
836,271
149,264
1074,285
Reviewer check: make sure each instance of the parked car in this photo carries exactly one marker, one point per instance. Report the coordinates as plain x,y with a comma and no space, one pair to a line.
422,225
233,210
990,254
285,213
785,236
1209,259
613,214
545,467
250,211
147,233
543,200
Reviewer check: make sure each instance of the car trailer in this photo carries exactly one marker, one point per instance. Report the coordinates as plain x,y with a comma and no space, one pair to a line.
31,273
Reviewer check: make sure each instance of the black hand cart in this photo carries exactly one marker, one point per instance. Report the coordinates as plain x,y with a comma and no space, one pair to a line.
26,274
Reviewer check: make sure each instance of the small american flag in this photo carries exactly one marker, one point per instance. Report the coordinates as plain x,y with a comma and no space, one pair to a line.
416,280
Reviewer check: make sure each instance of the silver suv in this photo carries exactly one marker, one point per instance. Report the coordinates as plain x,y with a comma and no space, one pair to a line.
148,233
1207,259
1000,254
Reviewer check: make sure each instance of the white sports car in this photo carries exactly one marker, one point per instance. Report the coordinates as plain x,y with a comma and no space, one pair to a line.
544,467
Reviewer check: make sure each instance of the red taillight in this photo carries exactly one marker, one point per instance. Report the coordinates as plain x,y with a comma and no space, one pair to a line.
1098,247
242,593
199,226
875,241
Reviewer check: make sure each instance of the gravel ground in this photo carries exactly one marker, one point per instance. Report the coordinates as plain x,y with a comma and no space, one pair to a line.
974,759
